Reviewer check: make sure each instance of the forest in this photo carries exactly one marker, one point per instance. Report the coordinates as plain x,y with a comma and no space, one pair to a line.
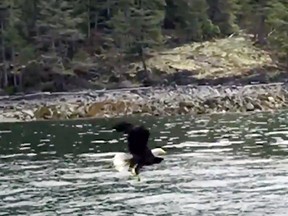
44,41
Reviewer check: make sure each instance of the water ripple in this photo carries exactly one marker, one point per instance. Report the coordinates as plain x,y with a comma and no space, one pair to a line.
216,165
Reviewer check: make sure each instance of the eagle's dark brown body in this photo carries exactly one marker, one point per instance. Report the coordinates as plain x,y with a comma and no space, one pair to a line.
137,137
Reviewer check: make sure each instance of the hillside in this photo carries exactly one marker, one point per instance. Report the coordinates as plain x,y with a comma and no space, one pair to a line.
232,58
70,45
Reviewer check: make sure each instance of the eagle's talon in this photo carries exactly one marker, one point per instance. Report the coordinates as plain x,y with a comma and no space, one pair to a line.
134,170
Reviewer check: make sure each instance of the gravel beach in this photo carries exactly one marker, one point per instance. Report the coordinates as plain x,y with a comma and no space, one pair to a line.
166,101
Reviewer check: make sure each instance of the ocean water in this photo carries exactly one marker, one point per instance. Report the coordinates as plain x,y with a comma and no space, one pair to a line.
230,164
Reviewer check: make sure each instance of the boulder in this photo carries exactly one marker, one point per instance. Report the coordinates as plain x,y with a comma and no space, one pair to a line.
44,112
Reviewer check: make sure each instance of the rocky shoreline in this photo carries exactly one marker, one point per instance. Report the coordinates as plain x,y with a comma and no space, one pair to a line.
166,101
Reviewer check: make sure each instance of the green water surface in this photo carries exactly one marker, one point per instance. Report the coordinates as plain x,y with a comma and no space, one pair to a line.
230,164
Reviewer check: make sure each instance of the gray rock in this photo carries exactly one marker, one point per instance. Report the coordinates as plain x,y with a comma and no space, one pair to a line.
250,106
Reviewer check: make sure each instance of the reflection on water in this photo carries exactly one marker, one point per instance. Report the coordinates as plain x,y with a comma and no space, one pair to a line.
216,165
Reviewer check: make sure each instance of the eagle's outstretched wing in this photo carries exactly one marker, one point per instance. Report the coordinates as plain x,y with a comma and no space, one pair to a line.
138,137
138,140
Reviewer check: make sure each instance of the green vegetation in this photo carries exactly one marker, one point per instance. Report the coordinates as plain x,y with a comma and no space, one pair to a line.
53,44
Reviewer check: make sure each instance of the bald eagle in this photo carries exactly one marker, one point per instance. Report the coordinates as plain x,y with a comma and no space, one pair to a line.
141,154
122,161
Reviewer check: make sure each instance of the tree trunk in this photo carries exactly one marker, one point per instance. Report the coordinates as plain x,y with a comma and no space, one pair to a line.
5,75
96,21
141,54
108,8
20,84
88,20
15,75
261,34
15,80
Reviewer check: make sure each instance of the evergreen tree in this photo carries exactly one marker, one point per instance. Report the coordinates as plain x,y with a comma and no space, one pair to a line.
277,19
57,24
189,17
11,40
126,28
137,25
28,14
222,14
198,25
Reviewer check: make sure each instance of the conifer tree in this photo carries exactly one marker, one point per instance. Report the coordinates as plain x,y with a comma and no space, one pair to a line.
277,19
58,25
222,14
137,25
